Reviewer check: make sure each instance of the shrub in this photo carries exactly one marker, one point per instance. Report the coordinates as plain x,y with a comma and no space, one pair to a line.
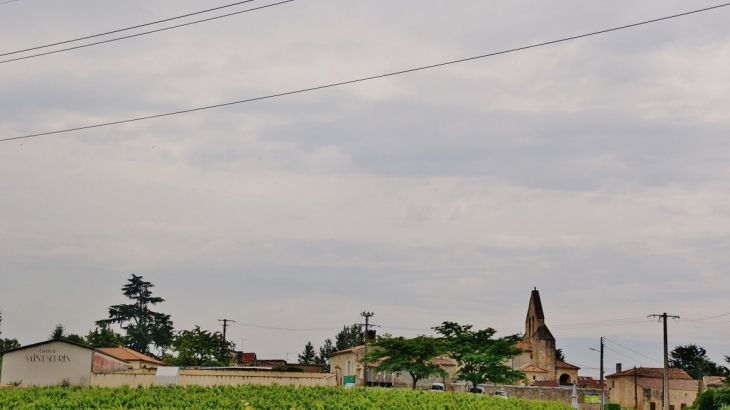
612,406
705,401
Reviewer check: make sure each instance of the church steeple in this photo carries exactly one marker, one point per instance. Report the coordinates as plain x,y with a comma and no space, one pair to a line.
535,321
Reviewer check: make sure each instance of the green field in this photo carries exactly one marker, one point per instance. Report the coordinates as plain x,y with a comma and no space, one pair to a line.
255,398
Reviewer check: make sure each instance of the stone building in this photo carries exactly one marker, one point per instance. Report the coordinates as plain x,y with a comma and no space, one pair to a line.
538,360
346,365
645,386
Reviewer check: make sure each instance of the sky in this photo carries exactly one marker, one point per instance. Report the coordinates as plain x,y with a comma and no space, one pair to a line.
595,170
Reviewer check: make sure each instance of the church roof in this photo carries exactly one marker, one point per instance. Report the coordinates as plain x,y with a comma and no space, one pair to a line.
562,365
535,299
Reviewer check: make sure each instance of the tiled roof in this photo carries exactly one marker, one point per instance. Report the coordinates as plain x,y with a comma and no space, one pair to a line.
653,372
674,384
713,381
248,357
531,368
562,365
524,345
588,382
128,354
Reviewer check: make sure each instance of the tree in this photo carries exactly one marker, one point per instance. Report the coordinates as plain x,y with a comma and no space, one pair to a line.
58,332
323,357
143,327
6,344
349,337
414,356
693,360
200,348
308,356
104,336
559,355
480,356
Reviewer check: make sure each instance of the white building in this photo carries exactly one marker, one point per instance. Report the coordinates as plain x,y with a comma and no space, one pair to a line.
50,363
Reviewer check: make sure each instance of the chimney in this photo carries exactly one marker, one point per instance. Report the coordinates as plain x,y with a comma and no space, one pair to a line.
618,367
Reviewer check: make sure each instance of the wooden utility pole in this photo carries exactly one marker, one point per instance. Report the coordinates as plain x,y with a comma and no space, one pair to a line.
367,316
636,391
665,399
225,326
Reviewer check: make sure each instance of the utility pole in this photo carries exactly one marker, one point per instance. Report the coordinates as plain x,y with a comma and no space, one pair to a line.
225,326
367,316
636,391
603,391
663,317
603,388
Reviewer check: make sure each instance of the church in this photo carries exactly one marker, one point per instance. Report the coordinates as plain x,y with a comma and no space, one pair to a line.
538,360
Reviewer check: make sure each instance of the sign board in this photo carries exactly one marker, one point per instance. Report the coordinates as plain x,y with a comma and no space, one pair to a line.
348,379
591,398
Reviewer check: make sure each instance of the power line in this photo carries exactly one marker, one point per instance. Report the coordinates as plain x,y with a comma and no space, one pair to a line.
288,328
123,29
630,358
695,319
140,34
650,358
9,1
321,87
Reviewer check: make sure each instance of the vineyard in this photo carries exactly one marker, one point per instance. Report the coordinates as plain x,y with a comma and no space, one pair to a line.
252,397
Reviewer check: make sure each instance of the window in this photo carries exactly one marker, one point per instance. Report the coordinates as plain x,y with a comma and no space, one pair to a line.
533,377
613,383
652,406
530,355
671,407
682,406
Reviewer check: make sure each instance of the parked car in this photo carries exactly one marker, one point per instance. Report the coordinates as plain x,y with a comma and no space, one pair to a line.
477,390
438,387
501,393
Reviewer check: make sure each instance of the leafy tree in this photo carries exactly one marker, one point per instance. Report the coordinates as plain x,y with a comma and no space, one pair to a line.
349,337
323,357
308,356
104,336
6,344
559,355
58,332
481,357
200,348
75,338
693,359
414,356
143,327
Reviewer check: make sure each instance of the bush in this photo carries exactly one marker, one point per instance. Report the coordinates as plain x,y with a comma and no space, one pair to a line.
722,397
705,401
612,406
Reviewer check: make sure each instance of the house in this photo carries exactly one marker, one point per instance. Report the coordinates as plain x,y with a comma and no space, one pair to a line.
135,358
713,382
538,360
57,361
346,366
648,384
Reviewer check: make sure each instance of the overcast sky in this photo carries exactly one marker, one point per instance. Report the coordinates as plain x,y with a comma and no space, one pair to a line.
596,170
